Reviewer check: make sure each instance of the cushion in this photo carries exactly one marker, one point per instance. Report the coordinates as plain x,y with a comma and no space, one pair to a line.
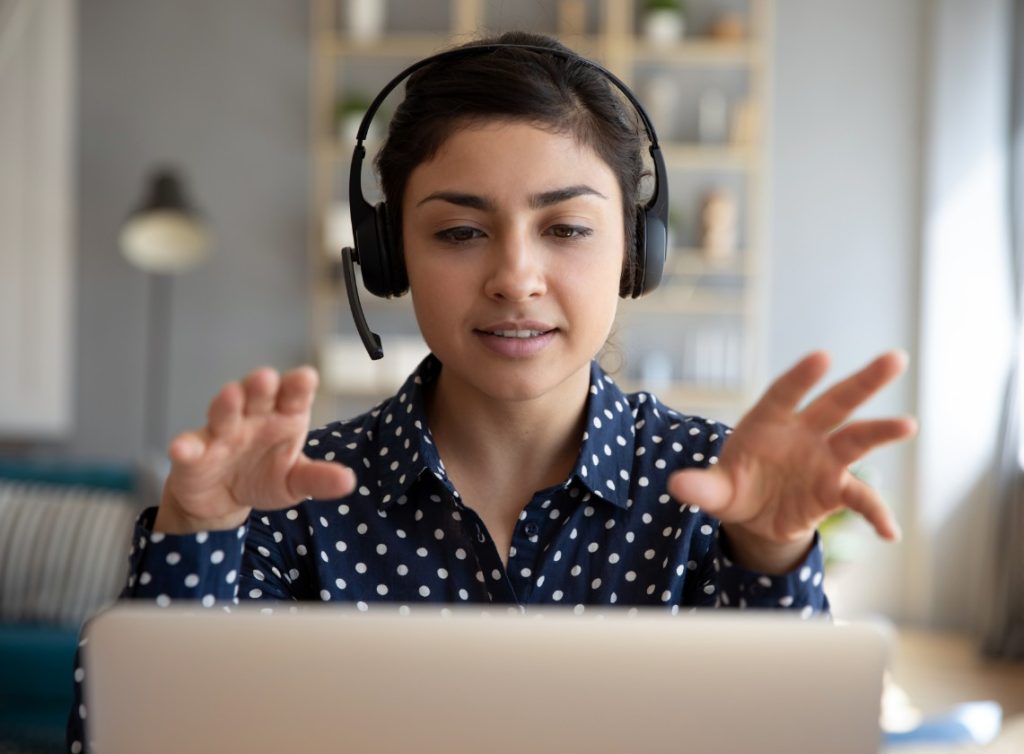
63,550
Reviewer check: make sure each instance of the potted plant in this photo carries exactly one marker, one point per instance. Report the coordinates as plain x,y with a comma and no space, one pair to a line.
664,21
348,114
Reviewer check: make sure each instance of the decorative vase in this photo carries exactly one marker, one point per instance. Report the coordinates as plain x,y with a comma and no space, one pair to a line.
365,19
664,27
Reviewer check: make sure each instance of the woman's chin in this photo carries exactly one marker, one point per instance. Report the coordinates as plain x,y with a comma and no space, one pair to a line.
517,380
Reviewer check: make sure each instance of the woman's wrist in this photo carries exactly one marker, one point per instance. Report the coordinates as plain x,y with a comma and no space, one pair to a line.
171,519
755,553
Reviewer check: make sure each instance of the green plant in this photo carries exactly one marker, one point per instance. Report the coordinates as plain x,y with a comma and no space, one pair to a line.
353,104
840,538
837,542
674,5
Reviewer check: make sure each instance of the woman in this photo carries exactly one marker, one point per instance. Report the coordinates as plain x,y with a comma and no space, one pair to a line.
509,468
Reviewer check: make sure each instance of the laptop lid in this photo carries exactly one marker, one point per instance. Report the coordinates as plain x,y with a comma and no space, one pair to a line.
324,679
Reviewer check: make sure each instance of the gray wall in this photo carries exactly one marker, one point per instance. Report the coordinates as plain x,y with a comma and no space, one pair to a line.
220,90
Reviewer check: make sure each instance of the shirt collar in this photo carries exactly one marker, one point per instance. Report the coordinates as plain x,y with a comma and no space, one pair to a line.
605,463
405,448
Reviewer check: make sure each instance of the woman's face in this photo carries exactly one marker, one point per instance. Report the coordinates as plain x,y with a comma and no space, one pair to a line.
514,246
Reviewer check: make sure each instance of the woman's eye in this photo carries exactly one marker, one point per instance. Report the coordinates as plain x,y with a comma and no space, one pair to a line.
569,231
461,234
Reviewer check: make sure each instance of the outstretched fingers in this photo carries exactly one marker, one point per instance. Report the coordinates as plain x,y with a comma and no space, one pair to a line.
295,394
188,447
836,404
225,412
785,394
859,497
260,388
853,442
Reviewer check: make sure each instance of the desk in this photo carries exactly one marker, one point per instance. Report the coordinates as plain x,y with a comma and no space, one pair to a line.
939,670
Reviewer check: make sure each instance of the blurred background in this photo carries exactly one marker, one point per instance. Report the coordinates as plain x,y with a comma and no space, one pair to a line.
844,175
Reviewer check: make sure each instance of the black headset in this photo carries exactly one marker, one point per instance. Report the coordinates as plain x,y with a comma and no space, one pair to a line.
380,258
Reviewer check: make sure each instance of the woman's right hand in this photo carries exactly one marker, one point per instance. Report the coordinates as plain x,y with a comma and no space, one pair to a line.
249,455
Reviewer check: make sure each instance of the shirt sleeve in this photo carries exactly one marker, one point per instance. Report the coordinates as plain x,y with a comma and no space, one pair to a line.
736,587
202,566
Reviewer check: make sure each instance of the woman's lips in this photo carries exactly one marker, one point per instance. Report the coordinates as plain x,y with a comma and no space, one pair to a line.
507,325
516,347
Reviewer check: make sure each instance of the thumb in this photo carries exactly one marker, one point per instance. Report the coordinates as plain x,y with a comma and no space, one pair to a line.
320,479
708,489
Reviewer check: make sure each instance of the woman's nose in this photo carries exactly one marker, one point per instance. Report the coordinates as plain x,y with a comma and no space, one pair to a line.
517,271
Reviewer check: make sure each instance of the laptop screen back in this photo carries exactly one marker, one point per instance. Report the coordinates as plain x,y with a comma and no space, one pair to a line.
327,679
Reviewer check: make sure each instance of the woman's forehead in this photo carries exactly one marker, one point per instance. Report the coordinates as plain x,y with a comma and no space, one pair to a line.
510,155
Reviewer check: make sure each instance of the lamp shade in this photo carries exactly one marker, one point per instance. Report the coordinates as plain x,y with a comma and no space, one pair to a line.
165,234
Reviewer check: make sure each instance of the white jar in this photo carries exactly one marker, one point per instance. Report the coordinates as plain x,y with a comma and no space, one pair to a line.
365,18
664,26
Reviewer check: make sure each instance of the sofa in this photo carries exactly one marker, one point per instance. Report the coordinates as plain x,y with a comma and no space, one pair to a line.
65,531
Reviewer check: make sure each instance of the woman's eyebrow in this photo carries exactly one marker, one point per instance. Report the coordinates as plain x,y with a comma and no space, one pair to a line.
463,200
547,198
537,201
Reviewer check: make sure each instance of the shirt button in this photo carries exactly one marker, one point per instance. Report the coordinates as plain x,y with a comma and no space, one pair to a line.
531,529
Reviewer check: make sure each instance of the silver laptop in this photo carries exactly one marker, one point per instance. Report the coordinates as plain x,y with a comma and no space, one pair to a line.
324,679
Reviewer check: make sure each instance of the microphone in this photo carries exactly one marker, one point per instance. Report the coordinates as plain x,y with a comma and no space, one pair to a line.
370,339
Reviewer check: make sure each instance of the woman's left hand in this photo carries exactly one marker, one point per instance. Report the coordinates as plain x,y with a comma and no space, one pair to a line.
783,471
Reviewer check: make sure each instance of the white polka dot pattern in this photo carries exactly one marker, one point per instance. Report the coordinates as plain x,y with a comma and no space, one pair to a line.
608,534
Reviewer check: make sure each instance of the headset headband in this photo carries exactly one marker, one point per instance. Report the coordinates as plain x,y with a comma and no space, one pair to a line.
476,50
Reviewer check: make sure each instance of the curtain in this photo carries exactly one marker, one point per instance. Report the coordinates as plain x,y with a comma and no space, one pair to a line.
37,209
1004,633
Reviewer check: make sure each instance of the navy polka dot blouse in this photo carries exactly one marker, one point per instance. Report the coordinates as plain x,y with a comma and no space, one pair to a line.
609,534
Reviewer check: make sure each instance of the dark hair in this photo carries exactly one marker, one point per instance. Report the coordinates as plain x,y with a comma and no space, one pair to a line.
564,95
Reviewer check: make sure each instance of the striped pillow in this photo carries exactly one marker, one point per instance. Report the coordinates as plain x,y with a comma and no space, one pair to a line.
63,550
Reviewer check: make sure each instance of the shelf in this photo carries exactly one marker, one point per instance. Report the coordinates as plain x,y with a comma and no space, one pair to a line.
688,299
688,156
698,52
337,153
390,46
692,262
682,396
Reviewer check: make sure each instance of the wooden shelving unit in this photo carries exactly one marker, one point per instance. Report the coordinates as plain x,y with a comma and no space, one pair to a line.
698,291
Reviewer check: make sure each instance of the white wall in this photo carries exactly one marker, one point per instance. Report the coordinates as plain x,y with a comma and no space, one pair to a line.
844,224
966,307
37,72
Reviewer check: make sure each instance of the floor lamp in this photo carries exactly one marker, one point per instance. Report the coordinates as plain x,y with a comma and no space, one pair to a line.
165,236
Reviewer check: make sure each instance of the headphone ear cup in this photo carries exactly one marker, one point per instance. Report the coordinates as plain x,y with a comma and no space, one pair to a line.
368,253
655,251
633,269
631,285
392,263
381,264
